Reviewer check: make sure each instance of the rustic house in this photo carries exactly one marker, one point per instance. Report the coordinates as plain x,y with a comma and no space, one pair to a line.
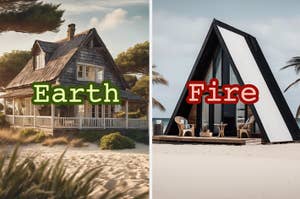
75,60
235,57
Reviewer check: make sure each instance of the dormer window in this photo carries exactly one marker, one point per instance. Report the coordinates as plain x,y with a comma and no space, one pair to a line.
40,61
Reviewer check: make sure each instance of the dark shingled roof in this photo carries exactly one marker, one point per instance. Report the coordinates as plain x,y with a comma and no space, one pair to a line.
46,46
64,50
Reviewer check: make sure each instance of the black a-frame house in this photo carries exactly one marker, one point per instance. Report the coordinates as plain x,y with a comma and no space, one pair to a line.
234,56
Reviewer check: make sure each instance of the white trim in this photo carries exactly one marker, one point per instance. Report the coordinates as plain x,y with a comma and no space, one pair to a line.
266,107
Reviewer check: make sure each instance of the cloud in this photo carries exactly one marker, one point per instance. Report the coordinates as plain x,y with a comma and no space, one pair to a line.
110,20
74,7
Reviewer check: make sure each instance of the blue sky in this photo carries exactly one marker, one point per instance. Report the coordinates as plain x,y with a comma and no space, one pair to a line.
120,23
179,28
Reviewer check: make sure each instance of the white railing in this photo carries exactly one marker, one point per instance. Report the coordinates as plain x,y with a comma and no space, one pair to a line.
75,122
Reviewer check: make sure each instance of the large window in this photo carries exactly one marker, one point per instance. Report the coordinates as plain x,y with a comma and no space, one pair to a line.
40,61
90,73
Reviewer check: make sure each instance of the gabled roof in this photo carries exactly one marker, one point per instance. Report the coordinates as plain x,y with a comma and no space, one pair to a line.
63,53
60,53
46,46
250,66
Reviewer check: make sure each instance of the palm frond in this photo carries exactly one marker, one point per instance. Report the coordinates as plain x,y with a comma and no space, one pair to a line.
292,84
298,113
157,78
157,104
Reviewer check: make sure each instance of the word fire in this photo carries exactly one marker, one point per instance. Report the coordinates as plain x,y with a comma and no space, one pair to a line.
230,94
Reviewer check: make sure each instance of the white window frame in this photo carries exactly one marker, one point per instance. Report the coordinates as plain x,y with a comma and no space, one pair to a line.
96,69
40,61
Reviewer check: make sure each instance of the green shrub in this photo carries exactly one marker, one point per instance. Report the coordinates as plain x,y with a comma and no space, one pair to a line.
116,141
33,135
137,135
24,179
28,132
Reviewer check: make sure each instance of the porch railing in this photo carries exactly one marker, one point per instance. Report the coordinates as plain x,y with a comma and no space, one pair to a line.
75,122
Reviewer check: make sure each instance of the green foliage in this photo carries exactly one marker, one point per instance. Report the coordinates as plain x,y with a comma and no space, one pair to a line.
35,136
116,141
135,59
30,16
11,64
141,87
28,132
23,179
130,79
137,135
141,136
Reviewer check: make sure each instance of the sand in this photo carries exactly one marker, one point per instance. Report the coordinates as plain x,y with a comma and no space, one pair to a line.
124,170
226,172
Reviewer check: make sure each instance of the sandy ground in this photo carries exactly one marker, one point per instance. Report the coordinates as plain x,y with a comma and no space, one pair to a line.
226,172
124,170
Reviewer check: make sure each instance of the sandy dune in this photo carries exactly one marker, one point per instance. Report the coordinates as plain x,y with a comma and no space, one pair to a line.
226,172
125,170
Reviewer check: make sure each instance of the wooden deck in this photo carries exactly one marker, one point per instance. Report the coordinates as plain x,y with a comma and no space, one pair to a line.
206,140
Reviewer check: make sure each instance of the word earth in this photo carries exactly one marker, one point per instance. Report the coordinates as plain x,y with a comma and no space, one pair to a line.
231,94
105,93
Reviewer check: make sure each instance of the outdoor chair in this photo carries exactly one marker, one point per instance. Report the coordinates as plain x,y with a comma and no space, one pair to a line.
245,128
184,127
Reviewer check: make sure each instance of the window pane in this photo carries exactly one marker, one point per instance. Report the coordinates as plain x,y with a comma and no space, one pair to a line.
80,71
99,75
218,66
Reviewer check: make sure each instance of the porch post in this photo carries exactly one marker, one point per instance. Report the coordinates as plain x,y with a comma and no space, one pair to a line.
34,119
126,113
13,111
52,115
103,114
80,116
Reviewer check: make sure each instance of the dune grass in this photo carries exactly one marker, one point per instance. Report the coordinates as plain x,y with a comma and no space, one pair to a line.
52,141
26,179
27,136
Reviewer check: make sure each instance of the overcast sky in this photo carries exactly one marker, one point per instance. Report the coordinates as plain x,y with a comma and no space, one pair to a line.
179,28
120,23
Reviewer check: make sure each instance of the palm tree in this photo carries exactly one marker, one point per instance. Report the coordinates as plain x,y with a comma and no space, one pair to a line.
294,62
157,78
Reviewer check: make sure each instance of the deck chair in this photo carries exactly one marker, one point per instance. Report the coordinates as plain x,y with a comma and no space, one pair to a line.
184,127
245,128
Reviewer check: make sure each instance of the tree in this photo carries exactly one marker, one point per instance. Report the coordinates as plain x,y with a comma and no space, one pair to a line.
157,78
135,59
294,62
11,64
141,87
29,16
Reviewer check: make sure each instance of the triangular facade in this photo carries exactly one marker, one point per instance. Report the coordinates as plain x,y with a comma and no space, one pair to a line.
234,57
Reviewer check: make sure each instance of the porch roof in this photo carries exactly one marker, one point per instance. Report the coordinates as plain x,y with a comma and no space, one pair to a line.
27,92
19,93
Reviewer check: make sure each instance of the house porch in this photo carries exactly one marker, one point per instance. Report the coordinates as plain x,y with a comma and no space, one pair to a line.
21,113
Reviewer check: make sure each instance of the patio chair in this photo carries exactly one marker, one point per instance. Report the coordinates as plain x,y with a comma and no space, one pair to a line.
184,127
245,128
